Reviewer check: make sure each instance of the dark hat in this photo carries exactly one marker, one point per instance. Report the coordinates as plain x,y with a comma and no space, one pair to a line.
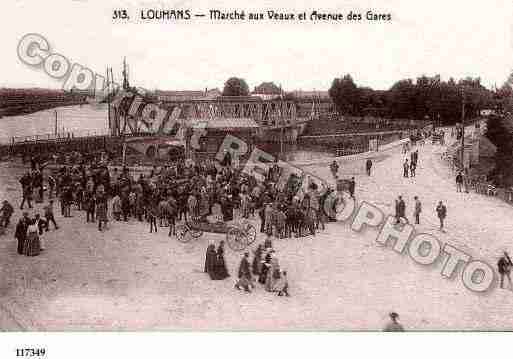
394,315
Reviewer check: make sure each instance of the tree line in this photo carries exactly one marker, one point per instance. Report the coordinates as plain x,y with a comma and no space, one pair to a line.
425,98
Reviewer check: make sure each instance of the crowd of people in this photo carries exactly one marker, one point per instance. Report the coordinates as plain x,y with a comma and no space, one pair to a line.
191,191
182,191
410,165
264,268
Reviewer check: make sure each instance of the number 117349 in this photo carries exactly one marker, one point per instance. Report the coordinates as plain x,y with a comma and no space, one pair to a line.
30,352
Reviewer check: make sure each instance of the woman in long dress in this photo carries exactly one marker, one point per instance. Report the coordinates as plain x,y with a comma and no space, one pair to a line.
32,246
273,274
101,210
221,272
257,260
266,264
210,260
204,207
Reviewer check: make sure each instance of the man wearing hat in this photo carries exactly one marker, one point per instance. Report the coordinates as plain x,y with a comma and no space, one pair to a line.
394,325
21,231
504,266
7,211
245,279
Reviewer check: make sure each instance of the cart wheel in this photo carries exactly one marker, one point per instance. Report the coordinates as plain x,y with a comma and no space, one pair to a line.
250,234
236,239
182,233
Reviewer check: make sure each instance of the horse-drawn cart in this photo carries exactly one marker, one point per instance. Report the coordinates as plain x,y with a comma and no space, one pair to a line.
239,235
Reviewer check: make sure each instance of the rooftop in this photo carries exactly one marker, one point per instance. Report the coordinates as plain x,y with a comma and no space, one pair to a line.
224,123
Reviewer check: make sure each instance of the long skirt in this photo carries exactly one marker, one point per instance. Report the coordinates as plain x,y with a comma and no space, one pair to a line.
257,265
101,213
263,274
273,275
220,270
32,246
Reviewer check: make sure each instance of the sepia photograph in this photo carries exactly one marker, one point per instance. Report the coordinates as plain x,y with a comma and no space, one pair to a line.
263,166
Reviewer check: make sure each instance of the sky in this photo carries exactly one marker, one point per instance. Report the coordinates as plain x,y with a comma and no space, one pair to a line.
450,38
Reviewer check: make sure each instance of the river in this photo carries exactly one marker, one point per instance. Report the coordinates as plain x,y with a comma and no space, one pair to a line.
82,120
90,119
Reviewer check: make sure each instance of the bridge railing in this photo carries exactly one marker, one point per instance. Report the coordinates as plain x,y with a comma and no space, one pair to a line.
58,136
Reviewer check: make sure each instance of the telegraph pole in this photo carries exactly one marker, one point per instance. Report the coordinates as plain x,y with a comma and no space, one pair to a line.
463,128
55,130
108,101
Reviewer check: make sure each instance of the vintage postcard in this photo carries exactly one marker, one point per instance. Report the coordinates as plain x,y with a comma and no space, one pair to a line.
189,165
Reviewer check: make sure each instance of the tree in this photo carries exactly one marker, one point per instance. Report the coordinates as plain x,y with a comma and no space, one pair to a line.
345,95
401,99
235,87
503,98
450,102
268,88
502,137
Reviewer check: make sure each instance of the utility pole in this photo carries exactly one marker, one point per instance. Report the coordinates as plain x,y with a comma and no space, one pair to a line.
108,100
55,130
281,143
124,153
281,123
462,128
115,127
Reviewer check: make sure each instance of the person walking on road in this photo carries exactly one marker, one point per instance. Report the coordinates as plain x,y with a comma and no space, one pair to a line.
368,166
413,167
400,210
418,209
152,216
21,231
334,169
101,210
245,280
7,210
406,168
459,182
49,215
352,186
26,186
210,260
465,180
504,266
441,212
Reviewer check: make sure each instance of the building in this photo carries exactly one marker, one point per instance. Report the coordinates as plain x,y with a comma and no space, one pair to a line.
267,91
170,96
